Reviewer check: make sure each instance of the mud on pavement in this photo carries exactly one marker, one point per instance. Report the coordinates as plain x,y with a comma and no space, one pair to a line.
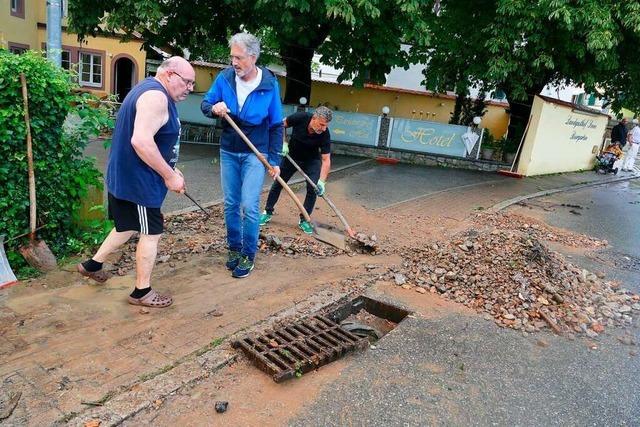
76,351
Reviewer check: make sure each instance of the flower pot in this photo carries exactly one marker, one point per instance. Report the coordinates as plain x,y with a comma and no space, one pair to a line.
487,153
509,157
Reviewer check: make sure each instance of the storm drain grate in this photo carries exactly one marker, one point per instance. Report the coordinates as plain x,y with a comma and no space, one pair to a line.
300,347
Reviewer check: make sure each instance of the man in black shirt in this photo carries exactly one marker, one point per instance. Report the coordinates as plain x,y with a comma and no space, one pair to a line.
619,132
310,148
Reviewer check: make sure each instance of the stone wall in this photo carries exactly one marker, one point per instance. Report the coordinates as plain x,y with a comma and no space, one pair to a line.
417,158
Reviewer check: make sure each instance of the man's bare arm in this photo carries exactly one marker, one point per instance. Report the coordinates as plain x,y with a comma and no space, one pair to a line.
325,167
151,114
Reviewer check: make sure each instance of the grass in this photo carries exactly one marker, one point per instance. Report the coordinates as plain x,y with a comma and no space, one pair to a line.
153,374
213,344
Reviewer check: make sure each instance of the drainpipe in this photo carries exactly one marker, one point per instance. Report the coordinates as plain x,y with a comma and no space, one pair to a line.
54,32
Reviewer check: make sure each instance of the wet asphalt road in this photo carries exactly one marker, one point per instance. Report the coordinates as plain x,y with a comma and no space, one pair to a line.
610,212
466,371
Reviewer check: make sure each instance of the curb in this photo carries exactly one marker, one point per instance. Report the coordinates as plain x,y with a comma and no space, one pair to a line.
292,182
506,203
132,399
143,395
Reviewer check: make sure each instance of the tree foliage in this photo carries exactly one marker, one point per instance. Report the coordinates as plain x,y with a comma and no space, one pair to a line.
521,46
361,37
62,174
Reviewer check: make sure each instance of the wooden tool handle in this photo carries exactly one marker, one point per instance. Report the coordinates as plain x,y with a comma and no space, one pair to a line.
348,229
264,161
32,178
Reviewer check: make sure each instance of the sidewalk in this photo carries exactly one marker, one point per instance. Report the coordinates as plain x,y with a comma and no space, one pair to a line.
64,341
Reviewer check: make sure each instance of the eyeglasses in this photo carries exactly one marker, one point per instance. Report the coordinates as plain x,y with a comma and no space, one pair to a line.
188,83
237,58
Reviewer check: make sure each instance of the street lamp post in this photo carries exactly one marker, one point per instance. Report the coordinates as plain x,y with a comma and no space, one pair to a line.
54,32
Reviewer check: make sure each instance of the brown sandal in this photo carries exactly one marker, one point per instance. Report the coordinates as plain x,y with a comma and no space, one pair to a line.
99,276
152,299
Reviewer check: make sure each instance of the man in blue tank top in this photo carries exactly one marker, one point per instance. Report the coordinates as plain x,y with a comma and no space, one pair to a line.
140,170
251,96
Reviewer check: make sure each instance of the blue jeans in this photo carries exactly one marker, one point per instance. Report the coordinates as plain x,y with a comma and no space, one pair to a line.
242,177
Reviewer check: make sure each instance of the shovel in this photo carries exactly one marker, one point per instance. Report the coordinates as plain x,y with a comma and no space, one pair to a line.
36,252
321,233
360,239
347,228
197,204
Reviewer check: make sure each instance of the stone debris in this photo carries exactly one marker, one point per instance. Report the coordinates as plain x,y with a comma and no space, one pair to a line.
192,233
537,229
542,343
221,406
399,279
513,277
364,243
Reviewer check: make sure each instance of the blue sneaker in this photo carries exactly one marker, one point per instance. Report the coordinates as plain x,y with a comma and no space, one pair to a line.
233,260
243,268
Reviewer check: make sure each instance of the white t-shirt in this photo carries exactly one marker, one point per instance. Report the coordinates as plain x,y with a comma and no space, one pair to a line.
244,88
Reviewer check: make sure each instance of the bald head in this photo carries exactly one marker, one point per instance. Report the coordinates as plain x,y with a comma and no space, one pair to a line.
175,63
177,76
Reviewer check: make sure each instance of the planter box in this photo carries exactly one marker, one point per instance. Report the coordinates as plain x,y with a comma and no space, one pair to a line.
487,153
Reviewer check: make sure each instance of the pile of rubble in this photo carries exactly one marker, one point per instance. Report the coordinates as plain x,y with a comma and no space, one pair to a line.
192,233
537,229
514,278
295,246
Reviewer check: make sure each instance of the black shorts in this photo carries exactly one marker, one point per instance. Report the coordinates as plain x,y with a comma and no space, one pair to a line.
129,216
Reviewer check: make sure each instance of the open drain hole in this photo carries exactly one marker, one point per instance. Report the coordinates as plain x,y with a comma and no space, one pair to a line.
293,349
367,318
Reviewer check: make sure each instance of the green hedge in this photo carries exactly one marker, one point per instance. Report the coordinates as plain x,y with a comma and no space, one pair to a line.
62,174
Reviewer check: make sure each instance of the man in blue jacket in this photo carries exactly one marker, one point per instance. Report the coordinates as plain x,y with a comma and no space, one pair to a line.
251,96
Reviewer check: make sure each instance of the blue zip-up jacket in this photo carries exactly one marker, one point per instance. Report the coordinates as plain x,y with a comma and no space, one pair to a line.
260,118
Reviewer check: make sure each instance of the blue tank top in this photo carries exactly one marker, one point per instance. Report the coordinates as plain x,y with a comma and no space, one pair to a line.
128,177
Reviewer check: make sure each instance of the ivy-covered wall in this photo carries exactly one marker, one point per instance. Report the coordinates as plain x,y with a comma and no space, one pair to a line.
62,174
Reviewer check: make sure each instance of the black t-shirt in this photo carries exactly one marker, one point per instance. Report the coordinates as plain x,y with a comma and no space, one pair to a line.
304,145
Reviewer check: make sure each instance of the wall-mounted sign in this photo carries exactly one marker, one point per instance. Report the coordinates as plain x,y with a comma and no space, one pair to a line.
428,137
581,128
355,128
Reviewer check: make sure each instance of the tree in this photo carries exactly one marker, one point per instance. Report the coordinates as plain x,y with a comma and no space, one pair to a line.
521,46
362,37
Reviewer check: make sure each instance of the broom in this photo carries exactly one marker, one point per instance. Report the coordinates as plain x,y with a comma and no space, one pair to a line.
35,252
511,172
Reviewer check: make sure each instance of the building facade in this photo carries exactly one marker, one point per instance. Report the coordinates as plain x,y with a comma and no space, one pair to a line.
105,65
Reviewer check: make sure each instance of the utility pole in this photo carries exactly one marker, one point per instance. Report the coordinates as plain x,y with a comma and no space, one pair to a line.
54,31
